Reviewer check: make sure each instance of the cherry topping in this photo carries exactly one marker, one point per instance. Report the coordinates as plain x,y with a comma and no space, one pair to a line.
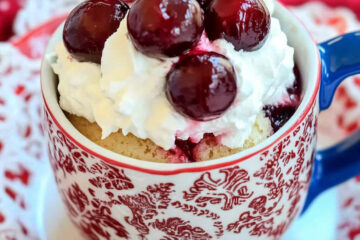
89,25
187,147
202,86
165,27
244,23
192,151
279,115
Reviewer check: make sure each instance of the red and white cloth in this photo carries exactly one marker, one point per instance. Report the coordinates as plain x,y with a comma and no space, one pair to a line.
23,159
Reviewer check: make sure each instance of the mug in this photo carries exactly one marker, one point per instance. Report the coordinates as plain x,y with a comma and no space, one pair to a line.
254,194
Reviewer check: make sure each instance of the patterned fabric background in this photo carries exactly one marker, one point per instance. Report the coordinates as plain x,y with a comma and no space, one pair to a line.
23,159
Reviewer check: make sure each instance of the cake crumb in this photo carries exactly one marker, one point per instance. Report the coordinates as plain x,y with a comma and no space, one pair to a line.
131,146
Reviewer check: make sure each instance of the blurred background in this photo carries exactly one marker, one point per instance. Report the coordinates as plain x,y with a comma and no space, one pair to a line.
18,16
25,27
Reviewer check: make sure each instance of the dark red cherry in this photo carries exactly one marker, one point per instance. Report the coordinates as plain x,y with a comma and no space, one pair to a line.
89,25
244,23
279,115
165,27
202,86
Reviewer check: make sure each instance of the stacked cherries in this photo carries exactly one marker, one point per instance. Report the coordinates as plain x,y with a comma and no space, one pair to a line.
201,85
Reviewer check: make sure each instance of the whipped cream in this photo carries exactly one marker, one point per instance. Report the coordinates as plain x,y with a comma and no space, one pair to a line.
127,91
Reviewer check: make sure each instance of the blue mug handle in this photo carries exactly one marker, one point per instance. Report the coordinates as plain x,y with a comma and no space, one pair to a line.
340,58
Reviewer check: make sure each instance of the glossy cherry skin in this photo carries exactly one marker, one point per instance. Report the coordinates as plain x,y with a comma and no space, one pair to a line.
89,25
201,86
244,23
165,27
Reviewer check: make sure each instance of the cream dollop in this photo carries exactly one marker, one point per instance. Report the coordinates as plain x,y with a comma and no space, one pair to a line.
127,91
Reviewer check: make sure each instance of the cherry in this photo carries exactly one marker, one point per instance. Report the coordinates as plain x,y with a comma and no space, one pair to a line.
201,86
89,25
279,115
244,23
165,27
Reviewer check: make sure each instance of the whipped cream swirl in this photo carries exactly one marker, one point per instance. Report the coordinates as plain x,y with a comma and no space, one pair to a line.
127,90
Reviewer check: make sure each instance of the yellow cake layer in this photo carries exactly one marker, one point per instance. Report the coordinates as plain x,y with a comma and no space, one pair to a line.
134,147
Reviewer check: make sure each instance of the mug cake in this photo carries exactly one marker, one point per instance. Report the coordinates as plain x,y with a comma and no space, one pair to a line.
176,81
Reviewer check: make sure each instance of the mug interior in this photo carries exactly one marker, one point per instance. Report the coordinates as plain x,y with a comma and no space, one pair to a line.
306,57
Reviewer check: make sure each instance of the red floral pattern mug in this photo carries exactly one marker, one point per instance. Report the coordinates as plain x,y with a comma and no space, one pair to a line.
255,194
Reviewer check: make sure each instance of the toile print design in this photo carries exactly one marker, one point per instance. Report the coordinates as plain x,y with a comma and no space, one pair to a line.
229,191
249,199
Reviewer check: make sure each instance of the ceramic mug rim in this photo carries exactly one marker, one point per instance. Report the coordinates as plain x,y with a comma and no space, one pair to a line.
59,118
